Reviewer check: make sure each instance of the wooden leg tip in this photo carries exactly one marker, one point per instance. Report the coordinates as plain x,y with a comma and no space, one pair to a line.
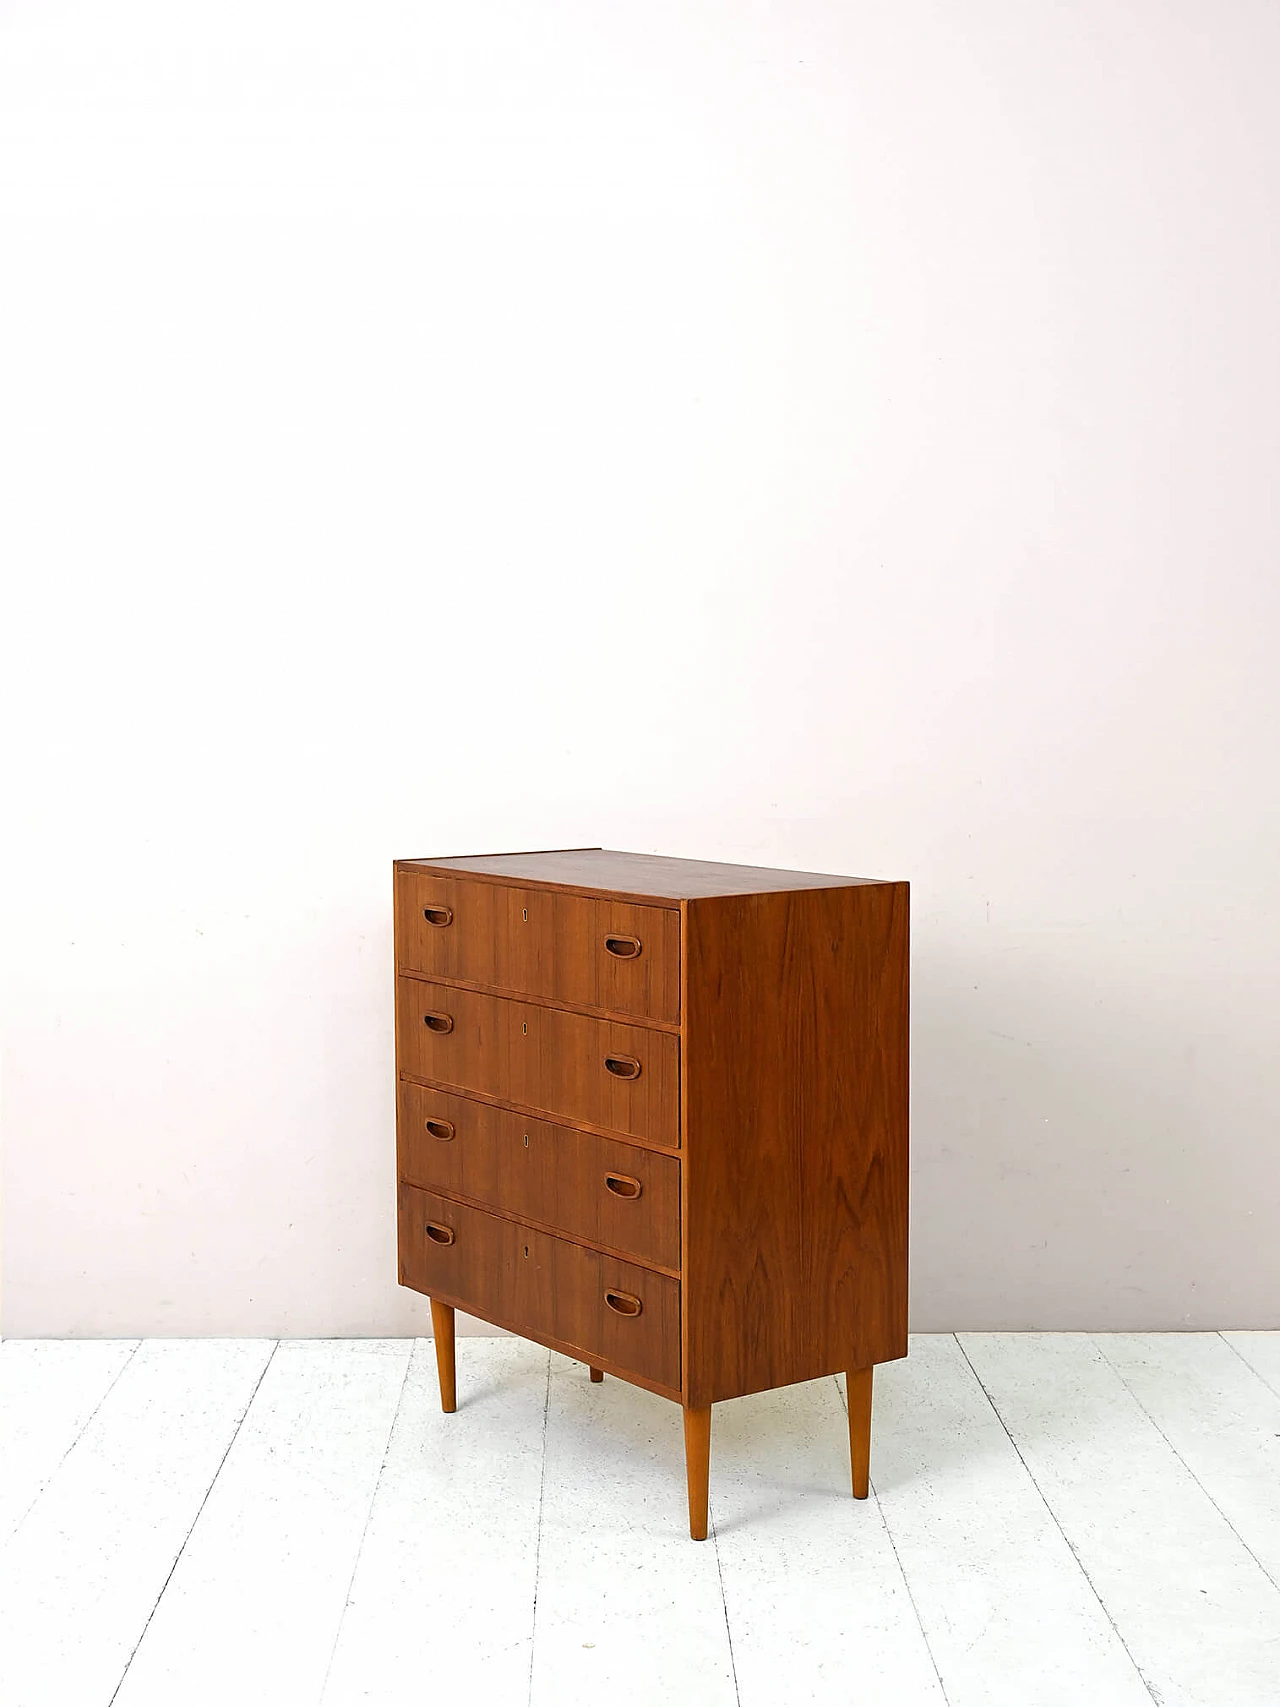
596,1374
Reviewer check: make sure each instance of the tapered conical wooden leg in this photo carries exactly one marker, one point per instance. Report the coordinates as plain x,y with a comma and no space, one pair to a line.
442,1330
596,1374
858,1384
697,1465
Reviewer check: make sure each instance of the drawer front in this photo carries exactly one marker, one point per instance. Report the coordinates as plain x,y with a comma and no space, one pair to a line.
591,952
598,1071
583,1185
538,1284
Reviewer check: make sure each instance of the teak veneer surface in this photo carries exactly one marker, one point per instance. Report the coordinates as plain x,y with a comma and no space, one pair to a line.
541,942
795,1159
543,1172
541,1057
541,1285
644,877
561,1120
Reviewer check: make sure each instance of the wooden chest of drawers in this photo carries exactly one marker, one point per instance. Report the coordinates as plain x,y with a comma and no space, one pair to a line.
653,1113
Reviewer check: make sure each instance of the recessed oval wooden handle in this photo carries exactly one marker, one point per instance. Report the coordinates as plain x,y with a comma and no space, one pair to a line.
439,1128
438,915
623,1185
442,1023
440,1235
623,1303
623,947
622,1066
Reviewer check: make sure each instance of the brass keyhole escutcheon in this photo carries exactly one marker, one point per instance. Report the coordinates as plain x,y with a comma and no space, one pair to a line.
525,1029
526,1140
526,915
526,1250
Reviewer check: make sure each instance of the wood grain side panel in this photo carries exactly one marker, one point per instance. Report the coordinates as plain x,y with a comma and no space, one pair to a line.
542,1058
795,1148
540,942
599,1189
540,1284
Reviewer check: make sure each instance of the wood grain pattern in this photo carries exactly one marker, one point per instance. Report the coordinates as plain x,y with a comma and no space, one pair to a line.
611,1014
550,1174
795,1092
542,1286
631,876
540,942
635,1138
545,1058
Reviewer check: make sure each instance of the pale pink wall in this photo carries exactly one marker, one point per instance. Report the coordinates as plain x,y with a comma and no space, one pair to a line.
840,435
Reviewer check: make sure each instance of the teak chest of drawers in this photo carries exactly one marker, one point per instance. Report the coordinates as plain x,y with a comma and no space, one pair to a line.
653,1113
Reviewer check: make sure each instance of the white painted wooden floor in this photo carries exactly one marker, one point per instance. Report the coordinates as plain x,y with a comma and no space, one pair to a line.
1056,1521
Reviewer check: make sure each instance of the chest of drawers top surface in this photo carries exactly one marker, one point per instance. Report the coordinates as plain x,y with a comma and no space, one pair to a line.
634,876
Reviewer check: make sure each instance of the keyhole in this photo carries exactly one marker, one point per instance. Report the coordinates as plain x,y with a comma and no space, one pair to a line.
526,920
525,1029
526,1140
526,1250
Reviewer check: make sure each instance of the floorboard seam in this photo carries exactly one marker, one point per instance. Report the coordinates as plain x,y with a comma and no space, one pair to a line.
537,1546
235,1433
79,1437
1106,1611
728,1632
1119,1374
1261,1377
884,1524
368,1517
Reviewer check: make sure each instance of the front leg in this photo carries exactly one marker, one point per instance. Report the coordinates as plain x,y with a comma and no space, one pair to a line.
446,1369
697,1463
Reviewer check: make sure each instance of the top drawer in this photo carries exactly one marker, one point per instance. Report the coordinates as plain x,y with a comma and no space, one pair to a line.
585,950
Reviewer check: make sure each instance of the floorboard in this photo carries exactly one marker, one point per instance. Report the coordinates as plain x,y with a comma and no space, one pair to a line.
818,1609
629,1609
1221,1419
1010,1617
1057,1521
49,1390
254,1607
1261,1351
1196,1611
441,1604
84,1570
